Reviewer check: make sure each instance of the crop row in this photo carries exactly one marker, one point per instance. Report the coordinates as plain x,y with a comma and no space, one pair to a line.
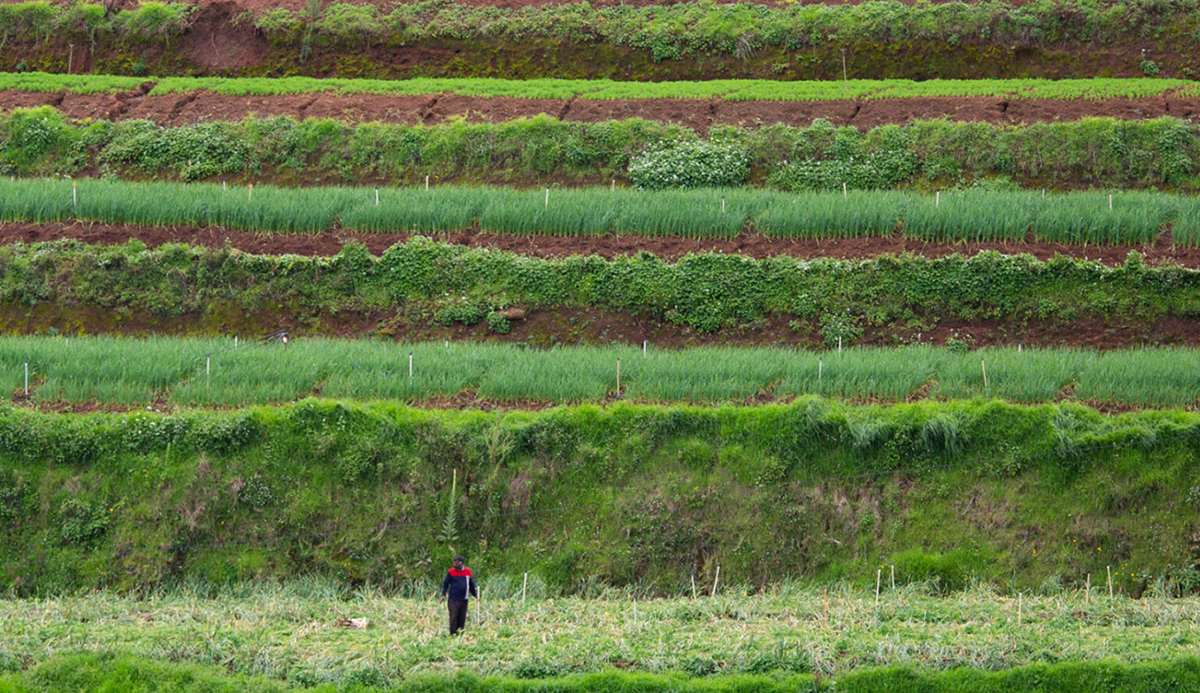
605,89
1092,217
215,372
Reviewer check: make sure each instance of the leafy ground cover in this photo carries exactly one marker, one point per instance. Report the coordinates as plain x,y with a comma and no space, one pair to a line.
280,631
134,372
605,89
1098,217
542,151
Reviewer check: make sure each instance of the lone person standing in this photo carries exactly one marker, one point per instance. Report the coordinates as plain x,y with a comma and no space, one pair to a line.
458,587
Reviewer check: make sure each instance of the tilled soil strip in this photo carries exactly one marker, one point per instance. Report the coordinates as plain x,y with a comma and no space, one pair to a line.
698,114
668,248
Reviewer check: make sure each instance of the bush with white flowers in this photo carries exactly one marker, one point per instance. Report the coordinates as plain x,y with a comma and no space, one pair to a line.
690,164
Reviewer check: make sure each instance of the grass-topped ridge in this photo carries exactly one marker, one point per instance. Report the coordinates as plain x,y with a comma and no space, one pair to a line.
605,89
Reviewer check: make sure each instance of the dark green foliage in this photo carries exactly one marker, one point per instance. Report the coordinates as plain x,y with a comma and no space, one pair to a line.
1095,152
708,292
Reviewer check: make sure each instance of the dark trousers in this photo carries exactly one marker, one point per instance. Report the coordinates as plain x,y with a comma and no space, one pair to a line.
458,614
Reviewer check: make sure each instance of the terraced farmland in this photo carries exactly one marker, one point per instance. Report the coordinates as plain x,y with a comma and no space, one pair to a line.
738,346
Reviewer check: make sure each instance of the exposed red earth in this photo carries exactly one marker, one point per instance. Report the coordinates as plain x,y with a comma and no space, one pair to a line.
669,248
698,114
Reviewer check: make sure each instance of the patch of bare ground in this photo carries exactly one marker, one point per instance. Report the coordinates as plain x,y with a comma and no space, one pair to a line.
749,244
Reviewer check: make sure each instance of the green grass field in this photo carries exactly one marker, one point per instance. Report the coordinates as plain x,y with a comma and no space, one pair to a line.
289,630
210,372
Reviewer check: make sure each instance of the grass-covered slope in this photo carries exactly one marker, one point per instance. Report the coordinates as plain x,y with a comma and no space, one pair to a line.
582,497
73,287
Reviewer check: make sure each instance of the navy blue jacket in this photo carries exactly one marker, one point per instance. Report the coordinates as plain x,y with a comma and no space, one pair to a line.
457,584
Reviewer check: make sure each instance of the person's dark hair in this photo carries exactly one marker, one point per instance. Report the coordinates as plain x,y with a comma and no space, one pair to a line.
457,558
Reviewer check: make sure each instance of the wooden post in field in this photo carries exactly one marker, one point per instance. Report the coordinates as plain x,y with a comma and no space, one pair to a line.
983,367
74,197
547,198
427,181
250,193
693,586
1110,201
70,57
618,377
614,184
26,378
844,72
893,577
1087,590
410,359
722,204
845,195
1020,598
644,346
825,608
376,197
878,578
635,611
937,199
716,581
839,345
1109,569
524,584
820,368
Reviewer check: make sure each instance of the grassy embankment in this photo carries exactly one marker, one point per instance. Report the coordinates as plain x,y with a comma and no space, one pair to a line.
421,286
584,497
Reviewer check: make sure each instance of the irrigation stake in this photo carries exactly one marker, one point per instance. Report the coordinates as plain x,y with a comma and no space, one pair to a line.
983,367
878,577
644,347
1110,200
26,378
820,367
524,584
410,355
1109,569
937,199
376,197
74,197
716,580
722,204
547,198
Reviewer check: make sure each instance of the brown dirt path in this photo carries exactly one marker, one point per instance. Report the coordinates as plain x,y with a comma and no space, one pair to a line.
750,245
698,114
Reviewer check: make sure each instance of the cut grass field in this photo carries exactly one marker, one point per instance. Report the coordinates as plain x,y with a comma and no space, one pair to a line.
288,630
604,89
183,372
1084,217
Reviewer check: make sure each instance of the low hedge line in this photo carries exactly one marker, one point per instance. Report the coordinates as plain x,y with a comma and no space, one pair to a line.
127,672
586,496
426,281
1163,153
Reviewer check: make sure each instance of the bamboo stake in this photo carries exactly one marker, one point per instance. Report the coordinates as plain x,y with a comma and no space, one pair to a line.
893,577
983,367
1087,590
547,198
716,580
825,608
250,192
618,377
1020,598
1110,591
845,196
426,181
878,577
693,579
524,584
376,197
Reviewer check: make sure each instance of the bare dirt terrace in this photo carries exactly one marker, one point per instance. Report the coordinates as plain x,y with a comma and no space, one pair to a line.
698,114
